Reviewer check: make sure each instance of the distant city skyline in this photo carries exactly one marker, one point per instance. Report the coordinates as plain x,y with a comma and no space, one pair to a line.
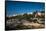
15,7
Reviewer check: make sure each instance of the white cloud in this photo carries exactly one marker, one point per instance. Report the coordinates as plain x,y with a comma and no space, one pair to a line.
30,13
14,15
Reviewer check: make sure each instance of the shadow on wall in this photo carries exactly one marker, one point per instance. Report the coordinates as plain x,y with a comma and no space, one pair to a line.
10,30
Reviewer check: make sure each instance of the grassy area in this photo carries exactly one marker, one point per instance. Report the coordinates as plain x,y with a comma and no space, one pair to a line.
27,17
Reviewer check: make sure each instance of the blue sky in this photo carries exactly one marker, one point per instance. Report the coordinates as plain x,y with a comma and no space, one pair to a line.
13,7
